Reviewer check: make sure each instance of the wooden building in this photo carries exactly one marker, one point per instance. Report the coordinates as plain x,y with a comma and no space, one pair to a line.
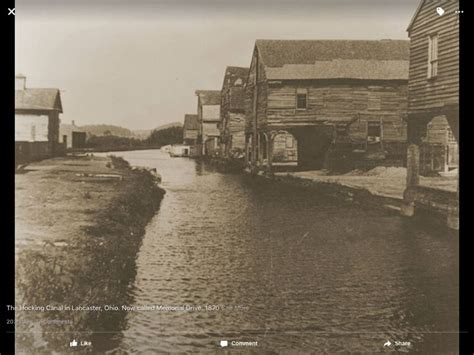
191,134
337,103
36,122
232,123
433,92
208,111
72,136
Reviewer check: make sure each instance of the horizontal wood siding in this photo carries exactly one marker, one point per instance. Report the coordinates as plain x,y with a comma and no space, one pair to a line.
250,94
332,102
425,93
232,128
236,128
437,131
31,128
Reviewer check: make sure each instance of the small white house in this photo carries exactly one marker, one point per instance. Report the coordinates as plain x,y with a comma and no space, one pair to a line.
180,150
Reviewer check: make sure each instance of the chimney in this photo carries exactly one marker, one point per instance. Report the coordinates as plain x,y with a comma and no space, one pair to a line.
20,82
73,123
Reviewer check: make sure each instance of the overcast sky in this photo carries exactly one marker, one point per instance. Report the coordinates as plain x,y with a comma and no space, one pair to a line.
137,64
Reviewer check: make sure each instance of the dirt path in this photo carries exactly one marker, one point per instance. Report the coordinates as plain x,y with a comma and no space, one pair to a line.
79,226
51,191
385,185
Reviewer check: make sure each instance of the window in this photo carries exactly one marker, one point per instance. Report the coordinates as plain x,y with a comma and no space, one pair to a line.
289,141
301,99
374,132
433,56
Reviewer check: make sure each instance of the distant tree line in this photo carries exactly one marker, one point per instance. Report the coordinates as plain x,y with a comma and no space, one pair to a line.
157,138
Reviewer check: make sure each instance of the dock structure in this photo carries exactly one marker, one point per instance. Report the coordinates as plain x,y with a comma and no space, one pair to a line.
433,100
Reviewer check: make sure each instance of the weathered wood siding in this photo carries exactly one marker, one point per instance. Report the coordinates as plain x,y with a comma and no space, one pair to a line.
232,124
236,128
260,95
336,102
437,131
190,134
31,128
211,112
425,93
210,129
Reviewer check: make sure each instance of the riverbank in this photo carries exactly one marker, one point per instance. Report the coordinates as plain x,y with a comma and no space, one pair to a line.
114,149
381,187
79,225
389,182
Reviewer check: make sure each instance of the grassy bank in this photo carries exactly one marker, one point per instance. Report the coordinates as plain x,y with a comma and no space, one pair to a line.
86,263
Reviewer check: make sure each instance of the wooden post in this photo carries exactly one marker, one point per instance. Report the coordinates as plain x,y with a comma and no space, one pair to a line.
413,169
270,139
453,207
246,150
255,116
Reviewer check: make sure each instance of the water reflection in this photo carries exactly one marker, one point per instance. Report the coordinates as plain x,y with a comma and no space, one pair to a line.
301,271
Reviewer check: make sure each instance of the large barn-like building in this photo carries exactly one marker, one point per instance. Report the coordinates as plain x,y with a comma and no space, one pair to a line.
327,103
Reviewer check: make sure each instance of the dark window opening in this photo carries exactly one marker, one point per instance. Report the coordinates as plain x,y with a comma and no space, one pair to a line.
374,132
301,101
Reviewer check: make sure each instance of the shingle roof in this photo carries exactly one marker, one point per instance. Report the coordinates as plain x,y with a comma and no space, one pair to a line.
342,69
278,53
38,99
232,74
237,98
209,97
191,121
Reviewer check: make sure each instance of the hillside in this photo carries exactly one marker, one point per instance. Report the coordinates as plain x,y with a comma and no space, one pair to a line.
144,133
104,130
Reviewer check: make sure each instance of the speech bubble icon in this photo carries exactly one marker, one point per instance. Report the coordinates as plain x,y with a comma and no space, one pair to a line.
224,343
440,11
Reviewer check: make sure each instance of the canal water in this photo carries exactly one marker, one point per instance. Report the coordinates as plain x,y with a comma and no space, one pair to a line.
258,261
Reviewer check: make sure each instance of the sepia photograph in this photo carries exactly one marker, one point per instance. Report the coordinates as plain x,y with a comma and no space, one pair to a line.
226,176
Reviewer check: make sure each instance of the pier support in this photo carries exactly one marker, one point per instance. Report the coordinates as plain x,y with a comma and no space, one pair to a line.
269,139
413,180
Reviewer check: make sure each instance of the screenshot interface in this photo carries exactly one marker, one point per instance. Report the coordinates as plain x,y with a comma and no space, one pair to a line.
235,176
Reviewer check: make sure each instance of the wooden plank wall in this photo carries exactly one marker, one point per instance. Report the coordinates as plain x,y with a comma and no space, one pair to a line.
385,102
236,128
427,93
250,92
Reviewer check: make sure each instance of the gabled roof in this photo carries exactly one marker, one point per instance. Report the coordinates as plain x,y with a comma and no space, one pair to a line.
38,99
232,74
415,15
191,122
334,59
209,97
237,98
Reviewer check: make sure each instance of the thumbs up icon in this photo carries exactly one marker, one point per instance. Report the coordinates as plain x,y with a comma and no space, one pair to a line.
73,343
